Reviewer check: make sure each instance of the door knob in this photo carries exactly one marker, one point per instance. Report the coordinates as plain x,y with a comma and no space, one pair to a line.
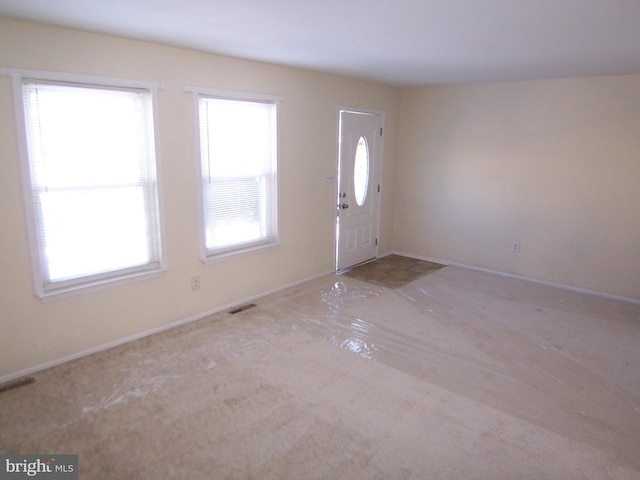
344,205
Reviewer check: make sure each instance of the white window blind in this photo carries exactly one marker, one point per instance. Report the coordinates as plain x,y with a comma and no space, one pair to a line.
238,165
93,181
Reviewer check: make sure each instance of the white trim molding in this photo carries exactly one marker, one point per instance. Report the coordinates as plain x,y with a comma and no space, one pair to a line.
521,277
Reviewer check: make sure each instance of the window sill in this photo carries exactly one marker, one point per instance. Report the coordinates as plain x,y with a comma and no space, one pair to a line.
226,254
98,285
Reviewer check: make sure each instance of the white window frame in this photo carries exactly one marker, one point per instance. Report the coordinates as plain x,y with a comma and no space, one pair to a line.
89,282
211,255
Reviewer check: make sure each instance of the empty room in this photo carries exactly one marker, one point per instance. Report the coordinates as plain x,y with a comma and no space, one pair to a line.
390,240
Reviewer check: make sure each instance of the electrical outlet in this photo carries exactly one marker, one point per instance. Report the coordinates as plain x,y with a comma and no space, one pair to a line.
515,246
195,283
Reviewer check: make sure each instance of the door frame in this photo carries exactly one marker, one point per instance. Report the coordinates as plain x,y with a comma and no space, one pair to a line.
377,165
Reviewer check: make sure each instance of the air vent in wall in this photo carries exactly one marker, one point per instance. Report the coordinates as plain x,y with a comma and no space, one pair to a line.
16,384
242,308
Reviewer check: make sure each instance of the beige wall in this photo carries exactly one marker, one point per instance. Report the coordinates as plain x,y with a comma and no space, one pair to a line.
553,164
33,333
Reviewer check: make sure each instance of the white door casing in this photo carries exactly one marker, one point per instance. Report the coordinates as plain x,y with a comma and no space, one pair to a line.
359,160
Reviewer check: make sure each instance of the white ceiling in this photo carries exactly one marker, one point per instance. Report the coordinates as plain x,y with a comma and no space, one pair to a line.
399,42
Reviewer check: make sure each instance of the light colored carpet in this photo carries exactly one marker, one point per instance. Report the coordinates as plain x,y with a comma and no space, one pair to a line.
457,375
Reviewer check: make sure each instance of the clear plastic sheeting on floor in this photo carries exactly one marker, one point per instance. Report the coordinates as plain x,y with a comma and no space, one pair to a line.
518,380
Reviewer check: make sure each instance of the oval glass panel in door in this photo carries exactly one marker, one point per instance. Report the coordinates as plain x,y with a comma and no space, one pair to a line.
361,171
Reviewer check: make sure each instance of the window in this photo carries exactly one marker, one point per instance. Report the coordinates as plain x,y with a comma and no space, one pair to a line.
92,187
361,171
237,139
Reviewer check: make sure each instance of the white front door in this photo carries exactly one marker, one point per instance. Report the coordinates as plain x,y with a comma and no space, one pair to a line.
359,161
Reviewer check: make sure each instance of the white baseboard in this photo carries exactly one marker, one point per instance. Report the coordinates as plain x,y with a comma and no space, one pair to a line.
521,277
37,368
68,358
